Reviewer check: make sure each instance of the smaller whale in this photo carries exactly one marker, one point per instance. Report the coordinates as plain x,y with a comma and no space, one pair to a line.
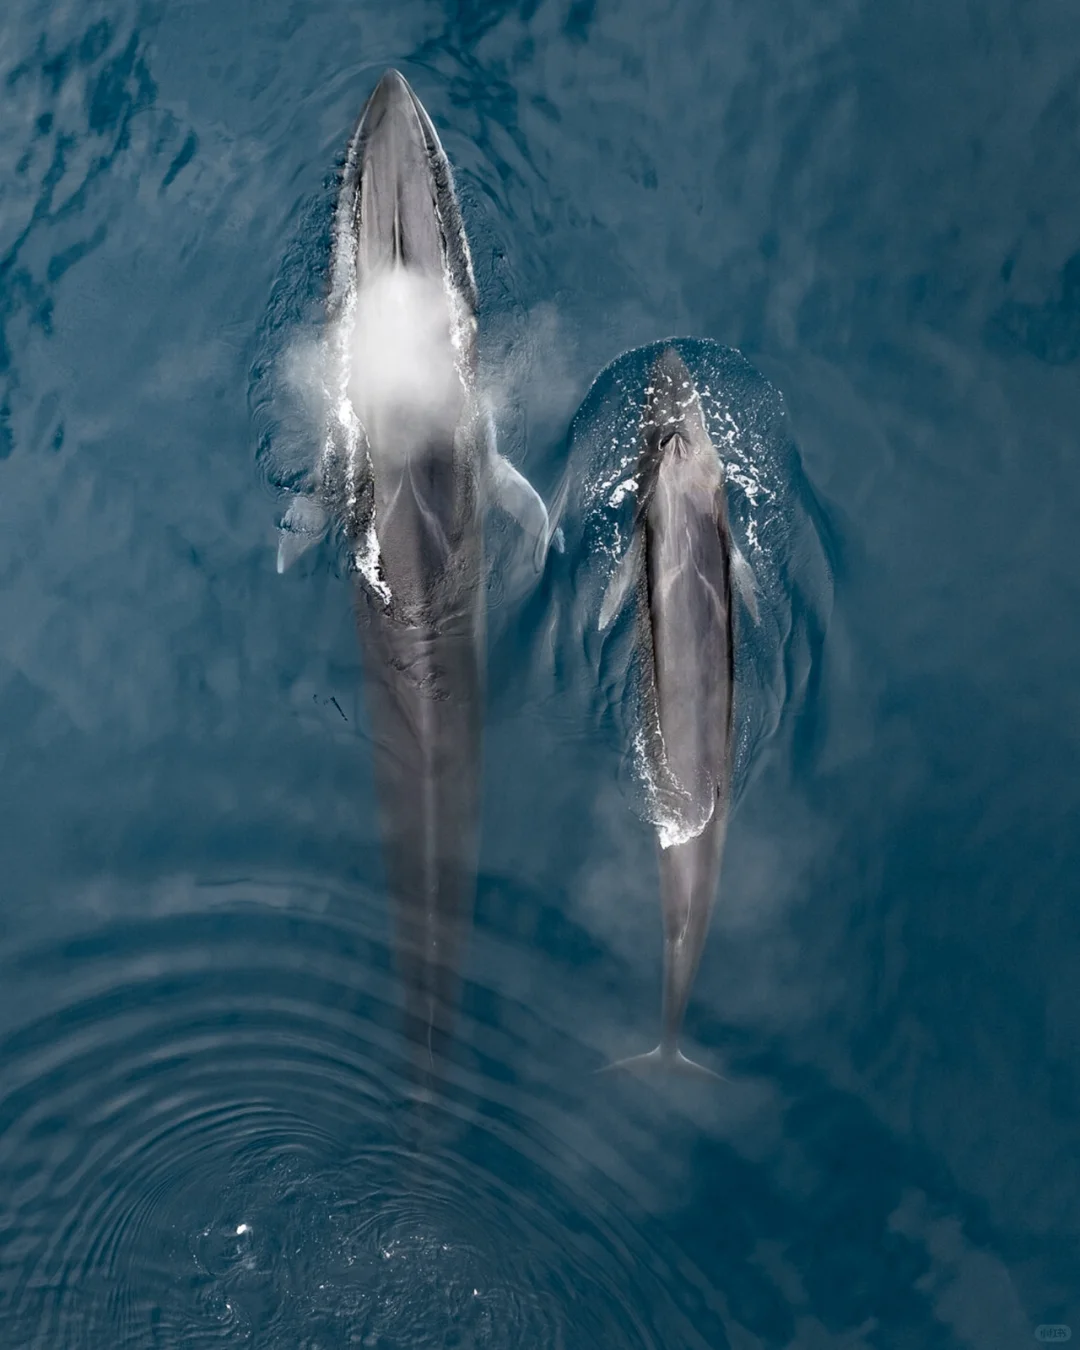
680,567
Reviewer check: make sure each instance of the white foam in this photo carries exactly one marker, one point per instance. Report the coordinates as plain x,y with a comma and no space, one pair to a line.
367,559
676,814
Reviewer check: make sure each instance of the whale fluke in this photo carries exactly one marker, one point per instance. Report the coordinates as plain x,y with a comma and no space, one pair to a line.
665,1060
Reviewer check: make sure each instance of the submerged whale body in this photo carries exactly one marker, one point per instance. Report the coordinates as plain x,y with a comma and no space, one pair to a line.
407,470
679,569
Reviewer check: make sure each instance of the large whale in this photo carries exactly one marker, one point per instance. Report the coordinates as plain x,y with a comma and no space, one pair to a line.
408,468
679,567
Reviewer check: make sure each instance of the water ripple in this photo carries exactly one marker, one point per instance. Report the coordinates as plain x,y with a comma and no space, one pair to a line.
206,1139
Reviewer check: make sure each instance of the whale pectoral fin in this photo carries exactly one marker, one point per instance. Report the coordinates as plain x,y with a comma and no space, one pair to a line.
558,506
621,581
518,498
743,578
302,526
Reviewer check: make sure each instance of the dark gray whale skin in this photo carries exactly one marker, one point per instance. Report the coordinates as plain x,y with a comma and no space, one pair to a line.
424,653
417,483
680,566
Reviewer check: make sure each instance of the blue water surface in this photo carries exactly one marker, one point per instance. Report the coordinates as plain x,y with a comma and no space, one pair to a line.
205,1133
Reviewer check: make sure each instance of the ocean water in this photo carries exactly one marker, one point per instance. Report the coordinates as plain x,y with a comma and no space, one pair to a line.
863,223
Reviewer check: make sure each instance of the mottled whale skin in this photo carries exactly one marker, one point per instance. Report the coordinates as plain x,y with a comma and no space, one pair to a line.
679,569
408,468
